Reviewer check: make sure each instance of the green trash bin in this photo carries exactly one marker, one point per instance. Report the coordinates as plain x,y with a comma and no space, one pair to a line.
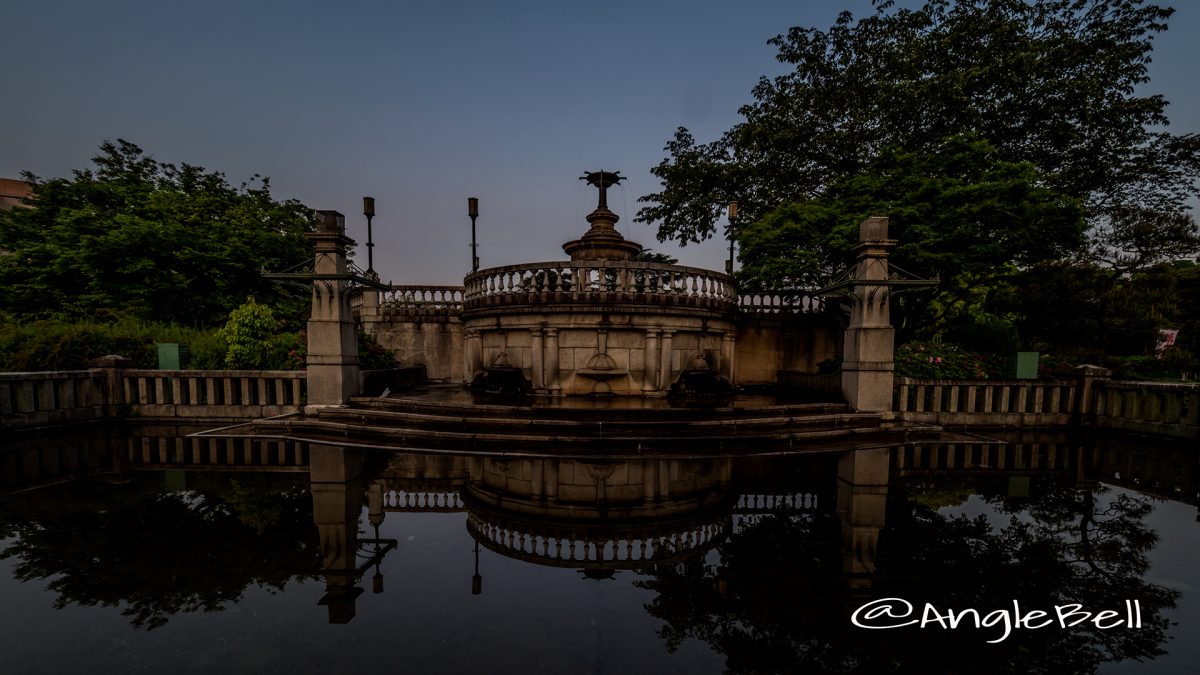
172,356
1027,365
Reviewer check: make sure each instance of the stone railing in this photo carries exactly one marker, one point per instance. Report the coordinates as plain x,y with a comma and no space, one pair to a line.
602,281
1154,408
991,403
422,300
58,397
780,302
1151,408
235,394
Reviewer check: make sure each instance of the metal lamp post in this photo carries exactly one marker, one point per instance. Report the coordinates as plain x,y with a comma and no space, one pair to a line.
369,212
732,217
473,212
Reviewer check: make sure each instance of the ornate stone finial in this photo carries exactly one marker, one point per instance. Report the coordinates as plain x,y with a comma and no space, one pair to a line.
602,179
602,241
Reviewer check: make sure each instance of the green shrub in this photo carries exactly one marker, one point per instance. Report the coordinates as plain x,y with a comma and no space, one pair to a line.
248,336
372,355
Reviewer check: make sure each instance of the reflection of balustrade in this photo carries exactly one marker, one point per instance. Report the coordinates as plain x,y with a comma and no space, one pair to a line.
603,281
798,501
423,502
612,547
1048,457
215,453
422,300
782,302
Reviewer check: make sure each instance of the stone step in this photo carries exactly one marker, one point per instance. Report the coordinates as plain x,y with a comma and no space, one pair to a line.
626,426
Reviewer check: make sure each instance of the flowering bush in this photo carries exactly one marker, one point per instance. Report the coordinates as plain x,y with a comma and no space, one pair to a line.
942,361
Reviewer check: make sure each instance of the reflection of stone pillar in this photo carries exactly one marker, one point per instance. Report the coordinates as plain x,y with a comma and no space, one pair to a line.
552,362
537,478
868,364
649,480
861,504
537,359
665,372
650,379
551,469
332,343
664,479
334,473
727,352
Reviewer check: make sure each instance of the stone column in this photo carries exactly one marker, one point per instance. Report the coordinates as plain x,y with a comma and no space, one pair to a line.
665,372
868,353
728,349
650,379
1085,397
474,354
332,342
552,362
368,312
537,357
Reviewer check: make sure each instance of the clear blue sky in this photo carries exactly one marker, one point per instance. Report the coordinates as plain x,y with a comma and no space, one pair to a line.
420,104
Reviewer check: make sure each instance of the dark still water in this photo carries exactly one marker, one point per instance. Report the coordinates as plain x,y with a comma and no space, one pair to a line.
142,551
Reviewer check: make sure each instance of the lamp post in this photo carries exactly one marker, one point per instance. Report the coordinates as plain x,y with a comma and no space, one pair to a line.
369,212
732,217
473,212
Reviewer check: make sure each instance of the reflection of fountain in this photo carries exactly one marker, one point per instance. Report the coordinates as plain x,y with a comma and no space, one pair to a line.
598,516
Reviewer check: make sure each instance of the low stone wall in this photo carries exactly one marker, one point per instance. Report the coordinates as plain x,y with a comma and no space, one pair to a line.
42,399
50,398
232,394
988,403
1146,408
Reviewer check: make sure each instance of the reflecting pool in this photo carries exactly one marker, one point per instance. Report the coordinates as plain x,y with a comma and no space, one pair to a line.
141,550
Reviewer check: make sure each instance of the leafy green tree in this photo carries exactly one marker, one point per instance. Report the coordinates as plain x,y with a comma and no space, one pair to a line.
957,213
1055,83
248,334
137,237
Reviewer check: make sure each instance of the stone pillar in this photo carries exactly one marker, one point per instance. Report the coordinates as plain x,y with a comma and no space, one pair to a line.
868,353
474,354
368,312
650,379
332,342
552,362
728,349
861,505
1085,392
537,358
664,377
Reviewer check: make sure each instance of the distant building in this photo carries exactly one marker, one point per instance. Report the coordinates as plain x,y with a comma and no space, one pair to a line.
13,192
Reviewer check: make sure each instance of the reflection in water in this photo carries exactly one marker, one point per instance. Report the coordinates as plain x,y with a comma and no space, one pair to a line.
760,559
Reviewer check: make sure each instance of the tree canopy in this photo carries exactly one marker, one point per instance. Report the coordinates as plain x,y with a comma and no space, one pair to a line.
1052,84
137,237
